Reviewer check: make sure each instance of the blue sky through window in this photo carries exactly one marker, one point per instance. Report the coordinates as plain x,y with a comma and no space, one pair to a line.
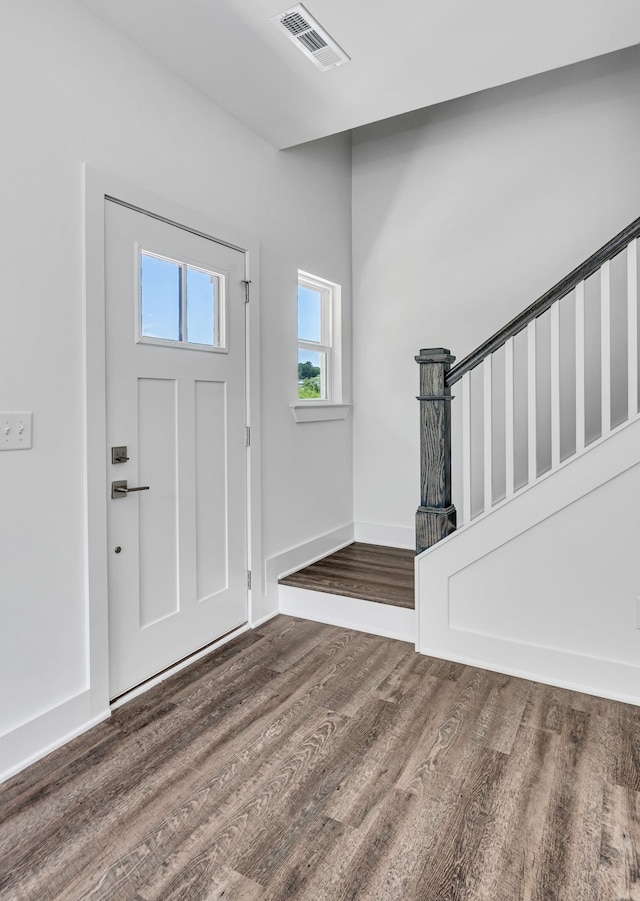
201,301
309,315
162,307
160,298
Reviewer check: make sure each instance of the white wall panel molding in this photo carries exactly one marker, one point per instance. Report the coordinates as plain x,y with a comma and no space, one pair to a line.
385,534
545,586
47,732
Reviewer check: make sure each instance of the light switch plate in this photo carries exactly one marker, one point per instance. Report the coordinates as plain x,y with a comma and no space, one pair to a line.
15,431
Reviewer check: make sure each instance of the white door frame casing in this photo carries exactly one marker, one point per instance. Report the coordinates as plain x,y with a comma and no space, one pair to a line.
97,186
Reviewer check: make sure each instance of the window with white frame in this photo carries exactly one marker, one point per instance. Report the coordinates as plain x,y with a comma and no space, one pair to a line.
180,304
318,366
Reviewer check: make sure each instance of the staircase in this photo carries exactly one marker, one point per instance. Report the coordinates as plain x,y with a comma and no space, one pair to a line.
528,530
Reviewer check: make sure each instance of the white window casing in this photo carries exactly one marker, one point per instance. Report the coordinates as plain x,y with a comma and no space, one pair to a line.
329,406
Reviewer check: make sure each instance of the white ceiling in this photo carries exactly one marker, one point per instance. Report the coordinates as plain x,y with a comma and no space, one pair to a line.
405,54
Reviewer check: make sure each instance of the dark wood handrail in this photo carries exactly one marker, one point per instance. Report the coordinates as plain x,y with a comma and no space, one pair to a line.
542,304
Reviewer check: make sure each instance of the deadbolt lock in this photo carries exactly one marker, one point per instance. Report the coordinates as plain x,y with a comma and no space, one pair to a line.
119,454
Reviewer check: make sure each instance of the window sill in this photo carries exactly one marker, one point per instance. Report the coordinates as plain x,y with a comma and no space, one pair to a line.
319,411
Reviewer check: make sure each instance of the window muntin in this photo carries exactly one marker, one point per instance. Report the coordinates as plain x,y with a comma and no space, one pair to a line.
180,304
315,339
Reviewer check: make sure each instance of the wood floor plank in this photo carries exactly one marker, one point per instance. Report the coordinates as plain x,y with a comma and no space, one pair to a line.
371,572
308,762
452,725
351,870
501,716
275,652
503,866
296,877
569,849
547,708
443,874
405,825
293,811
201,883
619,872
628,748
348,694
375,772
222,830
405,678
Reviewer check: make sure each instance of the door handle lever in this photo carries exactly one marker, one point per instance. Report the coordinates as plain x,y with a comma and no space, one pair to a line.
121,489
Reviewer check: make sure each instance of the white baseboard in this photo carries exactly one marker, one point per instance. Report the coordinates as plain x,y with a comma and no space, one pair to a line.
387,535
264,619
588,674
46,732
350,613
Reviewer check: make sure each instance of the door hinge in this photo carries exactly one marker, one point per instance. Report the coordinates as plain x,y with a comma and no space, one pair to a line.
247,289
247,430
249,579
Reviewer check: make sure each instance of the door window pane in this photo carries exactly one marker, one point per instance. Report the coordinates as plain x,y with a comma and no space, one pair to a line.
202,307
309,314
181,304
160,298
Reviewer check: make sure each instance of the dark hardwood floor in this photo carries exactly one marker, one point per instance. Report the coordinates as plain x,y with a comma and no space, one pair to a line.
305,761
368,571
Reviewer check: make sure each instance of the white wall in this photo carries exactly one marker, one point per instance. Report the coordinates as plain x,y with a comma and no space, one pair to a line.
463,214
73,91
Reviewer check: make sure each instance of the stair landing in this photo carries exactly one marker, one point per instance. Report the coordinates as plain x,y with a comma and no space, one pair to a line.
362,586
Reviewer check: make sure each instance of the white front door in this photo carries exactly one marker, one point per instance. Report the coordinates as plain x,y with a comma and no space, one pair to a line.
175,325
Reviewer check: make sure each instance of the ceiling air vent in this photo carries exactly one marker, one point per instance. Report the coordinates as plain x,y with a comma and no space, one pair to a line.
301,28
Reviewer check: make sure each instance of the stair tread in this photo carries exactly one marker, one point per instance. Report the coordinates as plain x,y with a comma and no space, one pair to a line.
369,572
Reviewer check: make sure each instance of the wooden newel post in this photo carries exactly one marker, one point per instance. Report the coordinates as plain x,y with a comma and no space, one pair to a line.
436,516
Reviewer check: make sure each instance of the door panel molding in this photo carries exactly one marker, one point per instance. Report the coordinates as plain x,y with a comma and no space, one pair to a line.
98,186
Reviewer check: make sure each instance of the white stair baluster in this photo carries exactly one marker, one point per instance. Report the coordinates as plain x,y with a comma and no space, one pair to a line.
508,417
488,428
605,345
531,402
632,327
580,414
466,448
555,385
